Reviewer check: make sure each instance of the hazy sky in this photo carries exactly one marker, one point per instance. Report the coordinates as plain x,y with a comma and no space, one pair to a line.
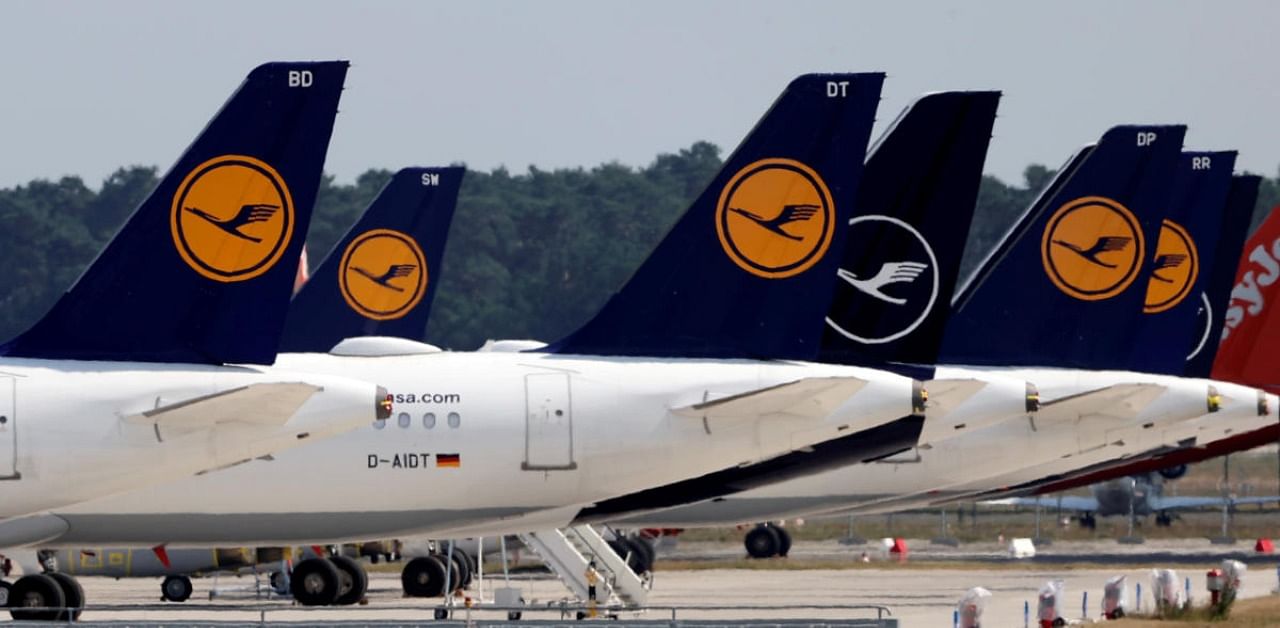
91,86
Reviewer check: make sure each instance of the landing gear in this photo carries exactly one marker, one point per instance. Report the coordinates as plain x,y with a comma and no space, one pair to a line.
1088,521
315,582
1163,520
72,595
36,591
767,541
423,577
176,589
636,550
5,588
353,582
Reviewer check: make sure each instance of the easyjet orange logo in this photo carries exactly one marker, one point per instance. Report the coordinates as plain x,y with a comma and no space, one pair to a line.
1092,248
383,274
775,218
1174,270
232,218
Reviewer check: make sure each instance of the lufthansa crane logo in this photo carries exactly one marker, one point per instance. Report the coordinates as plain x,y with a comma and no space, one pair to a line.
775,218
881,299
1174,270
232,218
383,274
1092,248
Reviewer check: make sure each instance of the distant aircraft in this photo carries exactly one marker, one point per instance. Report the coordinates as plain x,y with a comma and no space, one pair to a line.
1136,495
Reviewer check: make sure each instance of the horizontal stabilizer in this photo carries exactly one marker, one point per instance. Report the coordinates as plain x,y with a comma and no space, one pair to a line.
812,397
1121,401
946,394
256,404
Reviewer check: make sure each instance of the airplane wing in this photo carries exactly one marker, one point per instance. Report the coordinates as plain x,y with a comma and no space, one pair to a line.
1121,401
1179,503
256,404
810,398
946,394
1069,502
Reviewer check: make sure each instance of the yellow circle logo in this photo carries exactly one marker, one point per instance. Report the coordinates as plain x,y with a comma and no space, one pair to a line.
775,218
1092,248
232,218
383,274
1174,270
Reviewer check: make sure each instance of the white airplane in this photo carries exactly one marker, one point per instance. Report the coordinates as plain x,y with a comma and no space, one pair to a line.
1083,418
696,365
145,371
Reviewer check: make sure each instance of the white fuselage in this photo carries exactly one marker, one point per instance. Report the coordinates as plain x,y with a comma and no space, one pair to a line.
488,443
69,434
1004,454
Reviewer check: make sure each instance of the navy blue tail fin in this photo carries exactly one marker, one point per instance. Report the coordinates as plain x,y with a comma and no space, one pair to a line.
1062,289
915,204
747,271
1219,274
380,279
203,269
1183,254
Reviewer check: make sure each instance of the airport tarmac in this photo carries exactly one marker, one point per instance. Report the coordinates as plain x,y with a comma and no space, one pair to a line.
921,593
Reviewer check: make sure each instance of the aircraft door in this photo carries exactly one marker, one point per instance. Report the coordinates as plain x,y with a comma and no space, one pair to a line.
548,423
8,431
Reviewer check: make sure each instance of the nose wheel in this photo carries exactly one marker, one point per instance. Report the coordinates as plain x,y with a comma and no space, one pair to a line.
176,589
767,541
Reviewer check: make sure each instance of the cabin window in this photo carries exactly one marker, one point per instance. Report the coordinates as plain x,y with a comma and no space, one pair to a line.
379,424
454,419
429,420
404,419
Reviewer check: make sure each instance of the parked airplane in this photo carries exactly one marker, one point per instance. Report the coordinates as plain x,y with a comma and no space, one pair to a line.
1129,496
123,384
917,475
668,381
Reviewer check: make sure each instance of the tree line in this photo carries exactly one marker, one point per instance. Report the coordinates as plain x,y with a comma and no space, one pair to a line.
530,255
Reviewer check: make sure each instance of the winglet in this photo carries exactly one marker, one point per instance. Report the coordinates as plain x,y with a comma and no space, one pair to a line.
203,269
381,278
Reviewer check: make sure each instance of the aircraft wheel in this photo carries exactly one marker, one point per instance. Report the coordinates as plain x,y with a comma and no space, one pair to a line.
461,576
36,591
1089,522
784,541
642,553
353,581
72,595
423,577
5,588
315,582
1163,520
763,542
176,589
473,568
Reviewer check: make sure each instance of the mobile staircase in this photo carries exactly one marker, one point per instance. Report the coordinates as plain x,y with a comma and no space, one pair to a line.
569,552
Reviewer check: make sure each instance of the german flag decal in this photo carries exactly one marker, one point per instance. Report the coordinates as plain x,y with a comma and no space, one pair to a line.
449,460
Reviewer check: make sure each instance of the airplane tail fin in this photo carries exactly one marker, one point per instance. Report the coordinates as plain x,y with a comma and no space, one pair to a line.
1062,288
1179,262
747,271
380,279
1251,332
908,232
1219,278
202,270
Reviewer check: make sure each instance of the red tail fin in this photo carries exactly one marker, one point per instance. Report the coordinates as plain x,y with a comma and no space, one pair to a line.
1251,336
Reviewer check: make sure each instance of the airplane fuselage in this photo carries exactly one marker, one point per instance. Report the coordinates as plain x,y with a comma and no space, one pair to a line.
489,442
74,431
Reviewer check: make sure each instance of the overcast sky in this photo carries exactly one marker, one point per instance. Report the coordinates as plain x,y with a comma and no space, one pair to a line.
91,86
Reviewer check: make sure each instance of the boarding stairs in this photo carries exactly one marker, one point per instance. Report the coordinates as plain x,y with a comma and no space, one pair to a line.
568,552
